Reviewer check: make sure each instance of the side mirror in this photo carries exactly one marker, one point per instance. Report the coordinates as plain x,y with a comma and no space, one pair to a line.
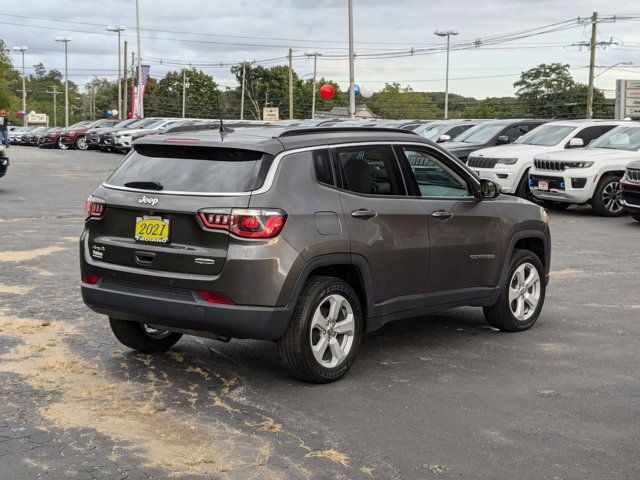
444,138
488,189
576,142
502,139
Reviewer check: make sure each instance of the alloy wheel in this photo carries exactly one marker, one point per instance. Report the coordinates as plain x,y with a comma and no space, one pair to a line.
332,331
81,144
611,197
524,292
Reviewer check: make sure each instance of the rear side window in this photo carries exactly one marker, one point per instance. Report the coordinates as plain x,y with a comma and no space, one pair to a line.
322,164
370,170
192,169
589,134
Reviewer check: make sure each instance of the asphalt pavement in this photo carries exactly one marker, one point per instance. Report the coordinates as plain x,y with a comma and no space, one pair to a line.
443,396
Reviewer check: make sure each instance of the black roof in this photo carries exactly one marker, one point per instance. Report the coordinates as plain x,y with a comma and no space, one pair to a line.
273,140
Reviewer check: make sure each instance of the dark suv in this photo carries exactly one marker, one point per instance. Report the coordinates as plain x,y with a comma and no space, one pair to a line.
309,237
630,190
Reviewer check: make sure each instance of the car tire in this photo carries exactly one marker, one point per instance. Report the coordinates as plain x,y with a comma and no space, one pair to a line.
312,348
143,338
61,145
523,190
606,200
551,205
515,311
81,143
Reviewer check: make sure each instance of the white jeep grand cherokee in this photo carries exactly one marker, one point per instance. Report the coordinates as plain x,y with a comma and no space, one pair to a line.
589,175
508,165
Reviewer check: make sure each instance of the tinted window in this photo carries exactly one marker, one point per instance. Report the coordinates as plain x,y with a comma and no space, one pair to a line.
546,135
455,131
516,132
192,169
371,170
322,164
480,133
621,138
434,178
591,133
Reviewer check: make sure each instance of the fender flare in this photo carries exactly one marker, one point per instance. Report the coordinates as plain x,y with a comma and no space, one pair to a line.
538,234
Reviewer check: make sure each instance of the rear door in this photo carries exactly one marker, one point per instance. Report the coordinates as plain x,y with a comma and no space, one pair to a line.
464,232
385,226
150,220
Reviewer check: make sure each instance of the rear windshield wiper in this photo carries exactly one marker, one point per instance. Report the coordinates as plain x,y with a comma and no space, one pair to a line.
145,185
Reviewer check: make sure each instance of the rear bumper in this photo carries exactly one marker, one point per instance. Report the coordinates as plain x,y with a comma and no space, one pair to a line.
169,310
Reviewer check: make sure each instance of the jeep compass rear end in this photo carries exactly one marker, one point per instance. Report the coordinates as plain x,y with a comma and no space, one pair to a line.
309,238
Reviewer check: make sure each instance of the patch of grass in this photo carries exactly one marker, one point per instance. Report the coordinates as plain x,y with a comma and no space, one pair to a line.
332,455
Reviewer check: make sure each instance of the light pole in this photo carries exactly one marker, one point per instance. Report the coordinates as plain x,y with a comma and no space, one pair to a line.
24,89
352,93
140,101
315,56
446,33
118,30
66,41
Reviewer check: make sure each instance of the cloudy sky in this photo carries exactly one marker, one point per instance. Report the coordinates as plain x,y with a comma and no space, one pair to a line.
210,33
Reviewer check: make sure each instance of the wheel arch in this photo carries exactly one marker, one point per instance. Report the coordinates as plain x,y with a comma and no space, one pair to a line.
536,241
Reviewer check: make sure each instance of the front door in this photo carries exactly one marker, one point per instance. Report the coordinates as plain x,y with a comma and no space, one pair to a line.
386,227
464,232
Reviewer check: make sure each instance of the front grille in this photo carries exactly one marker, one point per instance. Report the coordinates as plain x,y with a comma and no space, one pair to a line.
146,289
632,197
482,162
552,165
633,175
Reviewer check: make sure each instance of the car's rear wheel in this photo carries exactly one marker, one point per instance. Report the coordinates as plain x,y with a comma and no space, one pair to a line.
551,205
607,200
143,337
81,143
521,297
323,335
61,145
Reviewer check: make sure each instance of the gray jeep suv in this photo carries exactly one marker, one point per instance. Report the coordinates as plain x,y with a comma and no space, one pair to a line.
308,237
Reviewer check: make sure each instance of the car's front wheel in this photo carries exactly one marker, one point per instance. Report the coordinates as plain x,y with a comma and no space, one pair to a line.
521,297
61,145
81,143
607,200
524,190
323,335
143,337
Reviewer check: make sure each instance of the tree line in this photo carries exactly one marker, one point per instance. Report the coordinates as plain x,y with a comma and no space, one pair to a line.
545,91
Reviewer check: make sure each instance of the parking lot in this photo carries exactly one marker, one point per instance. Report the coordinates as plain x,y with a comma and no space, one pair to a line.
438,397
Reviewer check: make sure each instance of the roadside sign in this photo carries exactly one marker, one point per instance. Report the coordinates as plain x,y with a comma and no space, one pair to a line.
38,119
270,114
628,99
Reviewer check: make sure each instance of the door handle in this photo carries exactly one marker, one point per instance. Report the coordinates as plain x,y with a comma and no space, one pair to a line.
363,213
441,214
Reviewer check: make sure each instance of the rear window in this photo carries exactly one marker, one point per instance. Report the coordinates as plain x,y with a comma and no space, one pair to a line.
192,169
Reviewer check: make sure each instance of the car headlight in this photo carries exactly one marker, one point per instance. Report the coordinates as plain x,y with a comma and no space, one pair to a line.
507,161
578,164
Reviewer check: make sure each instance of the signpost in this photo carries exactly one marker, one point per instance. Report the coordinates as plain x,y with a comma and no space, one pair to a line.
270,114
628,99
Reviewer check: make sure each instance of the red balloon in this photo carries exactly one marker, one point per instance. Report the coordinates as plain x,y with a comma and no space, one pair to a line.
327,91
19,112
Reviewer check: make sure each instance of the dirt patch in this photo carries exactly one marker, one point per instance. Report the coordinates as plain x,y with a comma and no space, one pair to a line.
332,455
14,289
23,255
567,272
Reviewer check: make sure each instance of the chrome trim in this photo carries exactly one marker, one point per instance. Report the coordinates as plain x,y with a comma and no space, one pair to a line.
142,271
268,181
627,204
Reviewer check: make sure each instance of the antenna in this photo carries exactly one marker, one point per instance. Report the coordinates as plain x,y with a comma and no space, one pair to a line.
222,129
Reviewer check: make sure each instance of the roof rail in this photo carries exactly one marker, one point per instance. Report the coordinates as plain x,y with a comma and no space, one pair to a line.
316,130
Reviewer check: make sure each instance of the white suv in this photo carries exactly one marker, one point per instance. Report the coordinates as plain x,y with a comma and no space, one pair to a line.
508,165
589,175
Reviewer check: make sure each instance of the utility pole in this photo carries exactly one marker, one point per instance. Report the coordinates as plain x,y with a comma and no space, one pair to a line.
352,93
446,33
125,82
24,88
66,41
315,56
140,101
244,79
291,84
184,92
55,92
592,63
118,30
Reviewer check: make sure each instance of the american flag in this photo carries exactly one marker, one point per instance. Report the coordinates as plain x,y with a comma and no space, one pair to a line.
145,74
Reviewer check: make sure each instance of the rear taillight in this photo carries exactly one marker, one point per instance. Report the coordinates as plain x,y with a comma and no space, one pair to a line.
90,279
94,208
216,297
245,223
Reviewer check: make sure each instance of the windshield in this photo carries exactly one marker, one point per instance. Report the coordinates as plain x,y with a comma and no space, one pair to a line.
546,135
431,131
620,138
153,124
480,133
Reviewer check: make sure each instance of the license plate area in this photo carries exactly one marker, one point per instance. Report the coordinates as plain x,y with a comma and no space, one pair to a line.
543,185
152,229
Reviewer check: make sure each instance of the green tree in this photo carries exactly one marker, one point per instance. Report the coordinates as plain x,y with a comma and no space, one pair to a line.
394,101
166,98
493,107
549,90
